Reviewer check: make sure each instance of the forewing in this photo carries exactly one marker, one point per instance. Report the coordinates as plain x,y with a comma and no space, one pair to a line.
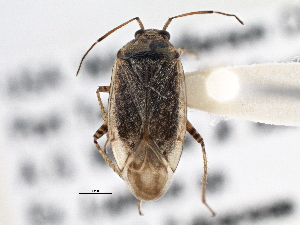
147,98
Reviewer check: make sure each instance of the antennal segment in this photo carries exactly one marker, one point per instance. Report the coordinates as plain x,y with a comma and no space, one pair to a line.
107,34
199,12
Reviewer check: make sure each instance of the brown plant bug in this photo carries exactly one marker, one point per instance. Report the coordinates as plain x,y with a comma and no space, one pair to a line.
147,120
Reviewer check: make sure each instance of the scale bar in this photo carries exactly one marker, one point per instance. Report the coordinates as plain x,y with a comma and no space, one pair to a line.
95,193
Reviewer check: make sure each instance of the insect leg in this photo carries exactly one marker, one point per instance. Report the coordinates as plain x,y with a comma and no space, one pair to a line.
102,89
190,128
139,207
188,51
180,50
98,134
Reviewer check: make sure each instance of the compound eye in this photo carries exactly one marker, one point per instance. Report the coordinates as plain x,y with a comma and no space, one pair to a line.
139,32
165,34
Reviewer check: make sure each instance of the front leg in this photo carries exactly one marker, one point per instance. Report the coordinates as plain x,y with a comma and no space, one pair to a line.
102,89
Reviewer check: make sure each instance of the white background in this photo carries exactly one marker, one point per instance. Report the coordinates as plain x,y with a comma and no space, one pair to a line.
47,153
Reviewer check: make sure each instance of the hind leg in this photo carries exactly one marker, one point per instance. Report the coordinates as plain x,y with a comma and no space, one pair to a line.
190,128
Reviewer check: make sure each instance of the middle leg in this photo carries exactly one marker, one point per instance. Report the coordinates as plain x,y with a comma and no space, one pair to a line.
98,134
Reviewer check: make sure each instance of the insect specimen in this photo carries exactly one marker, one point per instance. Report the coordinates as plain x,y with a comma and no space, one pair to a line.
146,121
